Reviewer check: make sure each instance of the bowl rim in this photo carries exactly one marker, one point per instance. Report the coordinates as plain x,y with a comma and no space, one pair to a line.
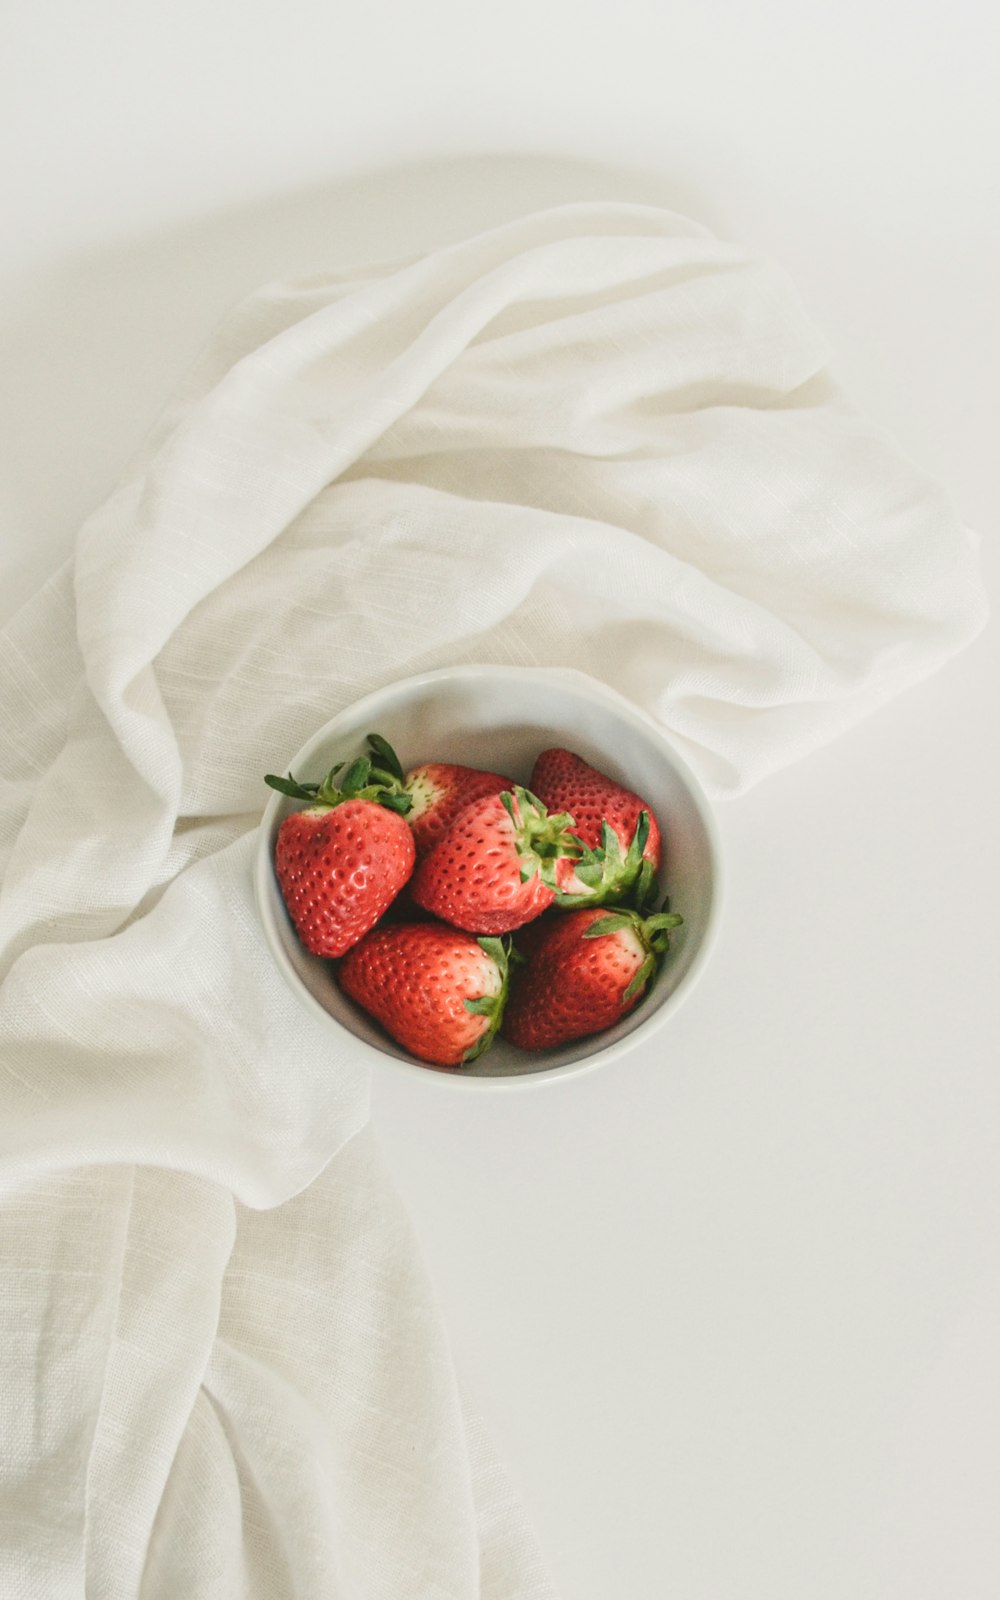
541,1077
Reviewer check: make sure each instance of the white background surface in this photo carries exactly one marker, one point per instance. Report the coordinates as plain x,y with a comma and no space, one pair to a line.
732,1309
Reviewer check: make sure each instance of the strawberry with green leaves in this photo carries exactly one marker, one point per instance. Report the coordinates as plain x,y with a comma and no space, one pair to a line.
439,992
344,857
495,869
616,825
585,970
437,790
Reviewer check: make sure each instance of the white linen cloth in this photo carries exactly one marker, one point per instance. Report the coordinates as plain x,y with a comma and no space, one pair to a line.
595,437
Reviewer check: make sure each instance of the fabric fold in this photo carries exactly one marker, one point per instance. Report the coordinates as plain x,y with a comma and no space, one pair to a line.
595,438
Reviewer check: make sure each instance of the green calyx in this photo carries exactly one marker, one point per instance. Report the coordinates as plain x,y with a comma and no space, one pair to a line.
653,933
377,776
610,875
541,838
502,953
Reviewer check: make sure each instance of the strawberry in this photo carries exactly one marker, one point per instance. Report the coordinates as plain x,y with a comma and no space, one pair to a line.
585,971
440,993
438,791
617,826
343,859
495,868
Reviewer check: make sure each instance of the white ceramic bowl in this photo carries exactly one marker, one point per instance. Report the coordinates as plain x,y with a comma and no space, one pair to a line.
501,718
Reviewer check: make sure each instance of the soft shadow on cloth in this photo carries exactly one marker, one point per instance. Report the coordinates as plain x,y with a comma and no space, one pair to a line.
597,437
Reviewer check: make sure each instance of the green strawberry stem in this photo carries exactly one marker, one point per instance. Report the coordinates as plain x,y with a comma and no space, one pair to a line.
386,756
541,838
360,780
610,876
503,954
644,890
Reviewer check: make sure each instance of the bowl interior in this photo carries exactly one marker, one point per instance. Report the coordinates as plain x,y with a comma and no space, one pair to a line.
501,718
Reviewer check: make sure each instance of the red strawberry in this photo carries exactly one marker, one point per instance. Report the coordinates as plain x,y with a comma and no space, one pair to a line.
438,992
616,825
585,971
438,791
495,868
343,859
